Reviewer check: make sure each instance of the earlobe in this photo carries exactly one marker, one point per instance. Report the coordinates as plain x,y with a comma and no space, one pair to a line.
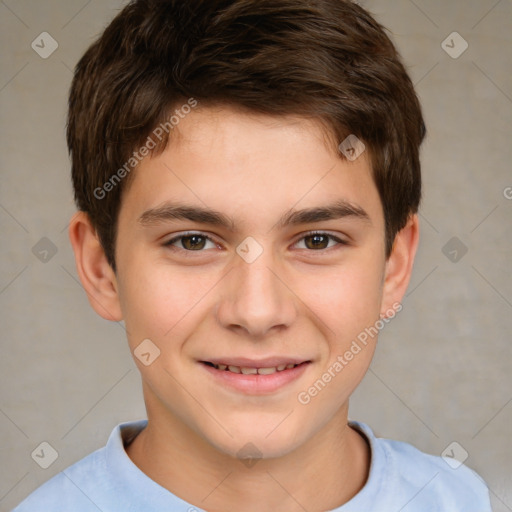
399,265
96,274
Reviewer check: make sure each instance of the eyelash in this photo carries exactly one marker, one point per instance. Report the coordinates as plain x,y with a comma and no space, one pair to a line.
311,233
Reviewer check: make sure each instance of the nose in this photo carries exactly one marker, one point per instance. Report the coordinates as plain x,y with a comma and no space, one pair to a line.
255,298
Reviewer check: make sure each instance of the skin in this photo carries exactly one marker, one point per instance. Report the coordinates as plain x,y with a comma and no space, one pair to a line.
293,300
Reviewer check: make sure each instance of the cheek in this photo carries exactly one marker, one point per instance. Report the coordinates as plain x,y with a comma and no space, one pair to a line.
348,303
346,299
158,300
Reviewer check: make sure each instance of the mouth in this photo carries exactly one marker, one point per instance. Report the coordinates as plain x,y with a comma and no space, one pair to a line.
255,378
252,370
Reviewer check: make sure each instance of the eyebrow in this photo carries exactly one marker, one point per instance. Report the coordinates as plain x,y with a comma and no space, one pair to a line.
175,211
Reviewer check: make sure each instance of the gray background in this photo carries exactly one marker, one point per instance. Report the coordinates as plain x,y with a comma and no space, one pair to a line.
442,369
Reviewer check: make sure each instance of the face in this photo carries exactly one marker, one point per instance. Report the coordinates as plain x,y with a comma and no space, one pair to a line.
257,287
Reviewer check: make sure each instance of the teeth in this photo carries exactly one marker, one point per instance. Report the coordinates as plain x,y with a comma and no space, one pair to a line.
267,371
253,371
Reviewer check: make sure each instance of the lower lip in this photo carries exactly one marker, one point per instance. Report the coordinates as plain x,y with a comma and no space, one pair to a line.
257,384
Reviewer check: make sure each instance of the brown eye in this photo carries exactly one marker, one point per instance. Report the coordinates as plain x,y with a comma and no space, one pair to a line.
191,242
320,241
317,241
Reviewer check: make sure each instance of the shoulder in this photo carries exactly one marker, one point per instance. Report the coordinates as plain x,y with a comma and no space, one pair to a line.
67,490
455,487
99,481
419,481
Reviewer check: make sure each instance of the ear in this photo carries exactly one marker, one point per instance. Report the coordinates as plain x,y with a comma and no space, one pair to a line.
97,277
399,264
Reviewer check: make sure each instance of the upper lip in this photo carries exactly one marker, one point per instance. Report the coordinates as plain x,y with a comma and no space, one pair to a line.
244,362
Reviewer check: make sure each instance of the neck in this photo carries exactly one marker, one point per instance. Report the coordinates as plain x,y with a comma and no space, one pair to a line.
179,460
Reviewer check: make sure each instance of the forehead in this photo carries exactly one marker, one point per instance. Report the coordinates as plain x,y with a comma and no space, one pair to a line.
250,165
221,121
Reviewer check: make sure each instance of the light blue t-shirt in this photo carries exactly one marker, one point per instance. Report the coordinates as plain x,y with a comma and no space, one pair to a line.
401,479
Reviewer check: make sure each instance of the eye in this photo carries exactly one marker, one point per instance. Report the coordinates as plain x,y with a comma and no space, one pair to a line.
197,242
191,242
317,241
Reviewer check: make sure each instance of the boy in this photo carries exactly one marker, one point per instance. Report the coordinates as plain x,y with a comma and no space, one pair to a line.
248,179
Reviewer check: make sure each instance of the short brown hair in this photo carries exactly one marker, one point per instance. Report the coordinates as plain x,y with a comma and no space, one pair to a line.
326,59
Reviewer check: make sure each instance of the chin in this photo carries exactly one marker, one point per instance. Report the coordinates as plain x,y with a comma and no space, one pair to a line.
252,439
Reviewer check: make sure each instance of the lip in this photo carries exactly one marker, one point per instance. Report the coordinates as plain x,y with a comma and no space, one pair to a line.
256,384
